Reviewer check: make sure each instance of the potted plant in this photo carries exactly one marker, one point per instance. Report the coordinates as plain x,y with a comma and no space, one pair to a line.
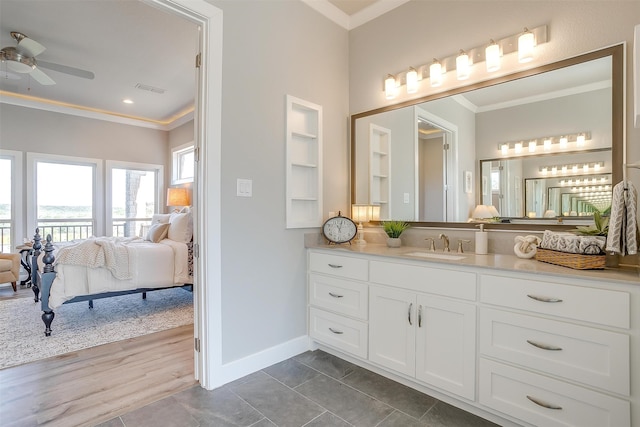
394,229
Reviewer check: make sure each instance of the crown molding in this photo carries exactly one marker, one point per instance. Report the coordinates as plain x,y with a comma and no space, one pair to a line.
362,17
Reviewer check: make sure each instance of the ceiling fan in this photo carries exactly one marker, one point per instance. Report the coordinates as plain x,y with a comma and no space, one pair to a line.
22,59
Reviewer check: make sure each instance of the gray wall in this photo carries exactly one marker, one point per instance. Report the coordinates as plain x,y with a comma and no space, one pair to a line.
271,49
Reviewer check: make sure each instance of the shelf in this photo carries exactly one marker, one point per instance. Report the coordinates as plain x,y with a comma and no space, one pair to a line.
304,164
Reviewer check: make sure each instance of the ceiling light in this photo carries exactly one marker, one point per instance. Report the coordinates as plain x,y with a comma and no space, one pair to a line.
127,101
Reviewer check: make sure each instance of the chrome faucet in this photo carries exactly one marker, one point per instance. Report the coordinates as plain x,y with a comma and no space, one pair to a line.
431,244
446,243
460,242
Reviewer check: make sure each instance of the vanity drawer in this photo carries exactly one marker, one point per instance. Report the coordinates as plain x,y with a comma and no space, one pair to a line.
587,355
515,392
348,335
338,265
601,306
451,283
339,295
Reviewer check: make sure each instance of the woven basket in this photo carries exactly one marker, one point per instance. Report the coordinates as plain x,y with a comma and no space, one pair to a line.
575,261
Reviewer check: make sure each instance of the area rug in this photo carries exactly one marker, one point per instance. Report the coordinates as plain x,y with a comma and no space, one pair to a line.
76,327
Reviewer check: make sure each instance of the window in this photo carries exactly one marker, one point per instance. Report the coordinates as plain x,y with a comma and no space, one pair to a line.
183,166
65,196
134,191
10,199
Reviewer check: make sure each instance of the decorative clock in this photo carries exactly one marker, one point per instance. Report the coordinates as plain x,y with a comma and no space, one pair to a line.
339,229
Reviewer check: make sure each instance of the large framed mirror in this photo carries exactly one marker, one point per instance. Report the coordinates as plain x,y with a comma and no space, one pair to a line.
430,161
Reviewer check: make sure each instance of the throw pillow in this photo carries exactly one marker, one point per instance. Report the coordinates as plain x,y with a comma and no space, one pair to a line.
160,219
157,232
180,227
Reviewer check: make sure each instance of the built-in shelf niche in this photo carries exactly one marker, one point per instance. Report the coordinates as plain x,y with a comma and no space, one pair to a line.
379,169
304,163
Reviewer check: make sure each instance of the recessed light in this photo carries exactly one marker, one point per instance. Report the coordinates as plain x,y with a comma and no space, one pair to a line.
127,101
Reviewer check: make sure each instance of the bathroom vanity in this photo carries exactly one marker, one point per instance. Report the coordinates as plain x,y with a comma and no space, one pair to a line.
516,341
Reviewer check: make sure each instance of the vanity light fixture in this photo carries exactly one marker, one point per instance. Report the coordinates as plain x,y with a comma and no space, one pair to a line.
463,65
435,73
390,88
586,167
574,169
549,143
412,80
518,147
526,44
491,54
563,142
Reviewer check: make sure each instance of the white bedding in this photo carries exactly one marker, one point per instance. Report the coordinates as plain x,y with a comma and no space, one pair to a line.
151,265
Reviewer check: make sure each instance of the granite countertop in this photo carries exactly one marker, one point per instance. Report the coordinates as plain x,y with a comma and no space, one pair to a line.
622,274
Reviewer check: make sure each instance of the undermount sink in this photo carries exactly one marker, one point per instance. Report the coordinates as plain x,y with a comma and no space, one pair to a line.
434,255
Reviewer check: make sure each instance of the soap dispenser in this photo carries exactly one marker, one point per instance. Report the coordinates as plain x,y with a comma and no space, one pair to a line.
482,241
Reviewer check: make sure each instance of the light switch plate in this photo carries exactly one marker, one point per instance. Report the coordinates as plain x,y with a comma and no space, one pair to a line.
244,187
406,197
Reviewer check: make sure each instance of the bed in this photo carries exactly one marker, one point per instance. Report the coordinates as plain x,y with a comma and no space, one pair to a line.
102,267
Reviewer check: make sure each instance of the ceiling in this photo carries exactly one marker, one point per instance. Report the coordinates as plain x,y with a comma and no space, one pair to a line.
125,44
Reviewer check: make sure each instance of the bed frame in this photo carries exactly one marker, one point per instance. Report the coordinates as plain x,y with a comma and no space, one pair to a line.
41,283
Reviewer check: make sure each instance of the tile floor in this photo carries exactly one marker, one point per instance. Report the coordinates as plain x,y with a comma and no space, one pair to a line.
313,389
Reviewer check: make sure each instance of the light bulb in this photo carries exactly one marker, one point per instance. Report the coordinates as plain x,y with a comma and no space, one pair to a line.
564,169
554,170
580,140
518,147
547,144
563,142
574,169
585,168
532,146
544,170
504,149
596,167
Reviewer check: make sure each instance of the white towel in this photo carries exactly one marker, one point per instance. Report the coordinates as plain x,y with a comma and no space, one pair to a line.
623,223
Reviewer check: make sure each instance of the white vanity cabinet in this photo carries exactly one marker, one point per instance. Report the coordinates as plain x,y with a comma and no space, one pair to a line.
520,348
429,336
554,354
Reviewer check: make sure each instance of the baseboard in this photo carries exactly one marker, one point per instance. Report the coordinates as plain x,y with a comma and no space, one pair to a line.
247,365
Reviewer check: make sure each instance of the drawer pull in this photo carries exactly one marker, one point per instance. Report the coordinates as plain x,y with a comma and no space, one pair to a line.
336,331
420,316
544,299
543,403
335,295
335,266
409,313
544,346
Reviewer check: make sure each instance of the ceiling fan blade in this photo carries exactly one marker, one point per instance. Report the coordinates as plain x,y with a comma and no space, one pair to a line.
30,46
40,76
67,70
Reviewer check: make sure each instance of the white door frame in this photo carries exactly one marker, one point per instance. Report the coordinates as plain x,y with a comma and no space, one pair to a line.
207,290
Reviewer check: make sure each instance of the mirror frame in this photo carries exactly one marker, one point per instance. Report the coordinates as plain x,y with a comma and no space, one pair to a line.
616,53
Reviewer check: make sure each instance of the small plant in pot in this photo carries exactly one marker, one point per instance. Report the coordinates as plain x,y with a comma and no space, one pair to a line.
394,229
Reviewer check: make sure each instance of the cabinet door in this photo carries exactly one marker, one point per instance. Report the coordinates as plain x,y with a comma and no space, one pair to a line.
446,345
392,320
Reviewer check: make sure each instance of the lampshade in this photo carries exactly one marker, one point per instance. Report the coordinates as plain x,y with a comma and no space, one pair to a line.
492,56
361,213
412,80
484,212
526,43
462,65
435,73
178,197
375,213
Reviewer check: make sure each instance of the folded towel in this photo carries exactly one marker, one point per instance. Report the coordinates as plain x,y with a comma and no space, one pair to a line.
623,223
573,243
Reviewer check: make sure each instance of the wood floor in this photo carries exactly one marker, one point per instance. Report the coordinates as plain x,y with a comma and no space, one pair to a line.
87,387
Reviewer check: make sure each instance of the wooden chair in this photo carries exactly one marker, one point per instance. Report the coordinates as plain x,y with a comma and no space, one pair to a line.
10,269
